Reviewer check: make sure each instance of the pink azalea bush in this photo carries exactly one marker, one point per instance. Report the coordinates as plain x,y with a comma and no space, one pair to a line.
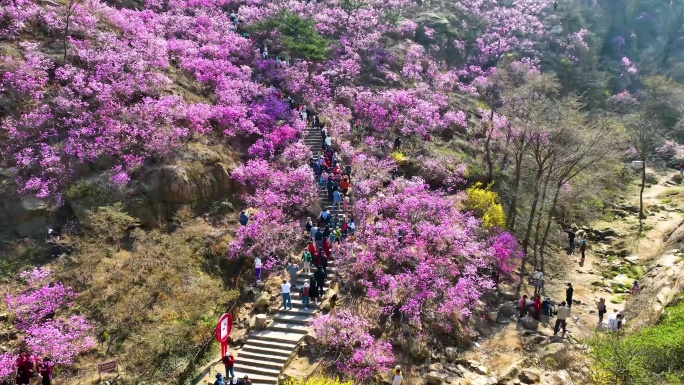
41,332
346,335
38,301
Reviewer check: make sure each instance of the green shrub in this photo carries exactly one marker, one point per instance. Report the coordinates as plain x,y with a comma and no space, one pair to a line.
653,355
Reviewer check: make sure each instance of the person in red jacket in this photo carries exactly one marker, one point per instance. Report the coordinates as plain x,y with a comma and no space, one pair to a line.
311,248
24,368
229,362
537,305
45,370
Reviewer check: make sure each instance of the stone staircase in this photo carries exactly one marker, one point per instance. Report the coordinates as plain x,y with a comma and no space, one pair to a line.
267,352
313,140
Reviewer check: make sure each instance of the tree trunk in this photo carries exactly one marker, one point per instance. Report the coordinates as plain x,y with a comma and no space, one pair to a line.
512,208
528,230
488,151
535,249
641,194
66,33
545,237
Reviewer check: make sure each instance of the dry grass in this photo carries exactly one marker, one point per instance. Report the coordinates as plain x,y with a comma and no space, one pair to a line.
154,299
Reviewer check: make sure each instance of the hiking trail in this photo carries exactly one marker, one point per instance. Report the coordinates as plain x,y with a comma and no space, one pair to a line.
266,353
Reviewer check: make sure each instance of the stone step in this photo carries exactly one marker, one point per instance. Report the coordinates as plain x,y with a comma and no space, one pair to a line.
257,371
299,298
276,336
298,311
280,358
289,328
258,379
260,345
261,363
293,319
257,350
300,283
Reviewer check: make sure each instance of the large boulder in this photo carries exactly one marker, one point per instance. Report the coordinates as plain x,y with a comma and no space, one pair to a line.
435,378
530,323
419,352
529,376
490,296
554,350
33,215
508,309
262,300
509,373
451,353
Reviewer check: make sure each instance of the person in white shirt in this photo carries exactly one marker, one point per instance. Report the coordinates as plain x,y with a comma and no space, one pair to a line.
614,321
328,141
539,276
396,376
257,267
287,300
561,316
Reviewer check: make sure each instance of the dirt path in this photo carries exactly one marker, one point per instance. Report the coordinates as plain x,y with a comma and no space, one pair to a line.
657,226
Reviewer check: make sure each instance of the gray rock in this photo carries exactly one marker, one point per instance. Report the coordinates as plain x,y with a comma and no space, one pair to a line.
490,297
529,376
508,309
530,323
451,354
483,370
509,296
435,367
262,299
419,352
435,378
509,373
310,338
553,350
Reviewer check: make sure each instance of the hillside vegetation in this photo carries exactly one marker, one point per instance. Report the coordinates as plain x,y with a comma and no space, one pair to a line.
477,131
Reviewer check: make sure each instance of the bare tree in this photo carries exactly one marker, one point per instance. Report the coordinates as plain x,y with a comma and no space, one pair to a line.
71,6
649,117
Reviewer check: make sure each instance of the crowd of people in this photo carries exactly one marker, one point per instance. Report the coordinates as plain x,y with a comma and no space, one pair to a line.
30,367
543,311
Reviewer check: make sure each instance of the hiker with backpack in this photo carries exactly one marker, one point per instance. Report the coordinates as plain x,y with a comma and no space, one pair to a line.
219,379
601,308
305,292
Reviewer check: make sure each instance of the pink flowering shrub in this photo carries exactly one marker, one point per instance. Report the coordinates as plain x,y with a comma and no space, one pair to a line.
6,365
60,340
442,171
345,336
288,190
268,235
43,334
34,305
504,251
433,272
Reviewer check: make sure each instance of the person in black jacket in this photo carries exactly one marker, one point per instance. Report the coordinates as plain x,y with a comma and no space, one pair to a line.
568,294
319,276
